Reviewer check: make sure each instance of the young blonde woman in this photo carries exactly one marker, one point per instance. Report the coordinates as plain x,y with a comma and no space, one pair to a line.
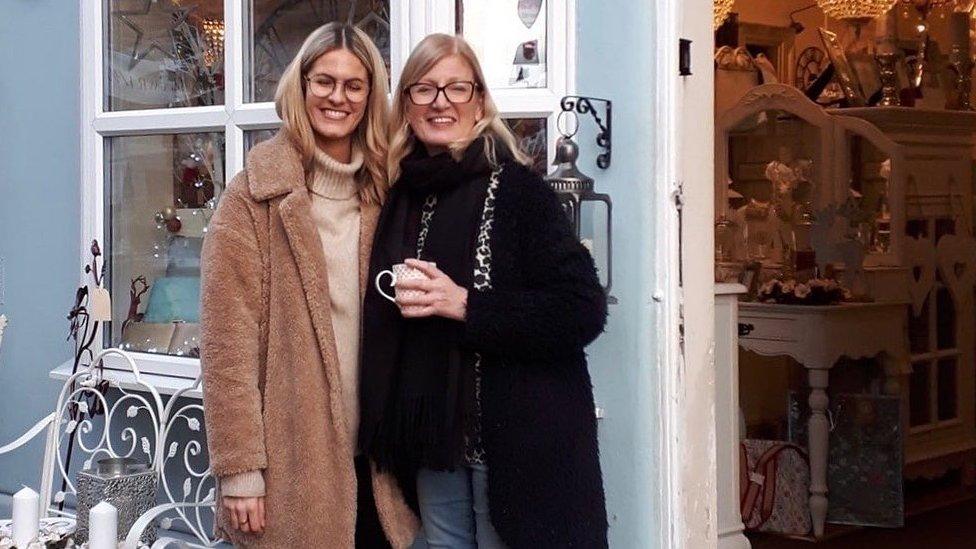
475,391
285,264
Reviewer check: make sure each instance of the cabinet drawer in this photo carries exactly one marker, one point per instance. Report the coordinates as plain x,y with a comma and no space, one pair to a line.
770,328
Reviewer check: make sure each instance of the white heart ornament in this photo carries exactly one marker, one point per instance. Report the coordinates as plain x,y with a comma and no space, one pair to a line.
920,257
956,255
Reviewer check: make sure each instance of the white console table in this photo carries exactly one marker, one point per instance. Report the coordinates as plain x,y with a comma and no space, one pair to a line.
817,337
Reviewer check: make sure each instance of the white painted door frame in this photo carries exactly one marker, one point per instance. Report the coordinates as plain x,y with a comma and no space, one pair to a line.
684,287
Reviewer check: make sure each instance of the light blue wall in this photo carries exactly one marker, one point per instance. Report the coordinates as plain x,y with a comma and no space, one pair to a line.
39,213
616,61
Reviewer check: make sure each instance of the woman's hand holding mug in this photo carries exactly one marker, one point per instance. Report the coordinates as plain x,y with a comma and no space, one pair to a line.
246,514
432,294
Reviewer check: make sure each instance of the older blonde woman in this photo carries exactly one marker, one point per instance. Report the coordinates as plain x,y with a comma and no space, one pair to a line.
284,267
474,387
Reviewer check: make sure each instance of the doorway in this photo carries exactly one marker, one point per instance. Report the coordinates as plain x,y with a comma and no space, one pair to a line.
844,262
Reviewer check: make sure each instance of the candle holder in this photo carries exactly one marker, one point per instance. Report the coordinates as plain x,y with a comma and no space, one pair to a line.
962,66
53,533
887,67
129,485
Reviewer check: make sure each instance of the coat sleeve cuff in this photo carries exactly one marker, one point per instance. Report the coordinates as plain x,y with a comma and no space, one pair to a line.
249,484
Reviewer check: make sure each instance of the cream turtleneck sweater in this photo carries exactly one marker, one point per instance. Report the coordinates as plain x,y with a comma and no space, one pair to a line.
336,214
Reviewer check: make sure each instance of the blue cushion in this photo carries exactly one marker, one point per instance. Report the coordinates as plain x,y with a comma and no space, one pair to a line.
174,299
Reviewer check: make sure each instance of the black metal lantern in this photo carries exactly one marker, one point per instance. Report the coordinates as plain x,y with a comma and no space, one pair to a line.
573,187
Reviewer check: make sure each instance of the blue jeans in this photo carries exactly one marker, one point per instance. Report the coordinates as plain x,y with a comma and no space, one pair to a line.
454,509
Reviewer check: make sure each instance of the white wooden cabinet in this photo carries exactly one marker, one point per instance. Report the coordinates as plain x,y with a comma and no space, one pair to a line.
937,201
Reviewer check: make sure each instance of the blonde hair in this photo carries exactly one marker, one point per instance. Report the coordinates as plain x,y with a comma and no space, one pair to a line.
430,51
370,134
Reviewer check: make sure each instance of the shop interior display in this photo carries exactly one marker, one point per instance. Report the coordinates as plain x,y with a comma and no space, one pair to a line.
854,172
156,252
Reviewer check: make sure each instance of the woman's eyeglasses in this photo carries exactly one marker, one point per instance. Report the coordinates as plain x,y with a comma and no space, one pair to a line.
456,92
322,85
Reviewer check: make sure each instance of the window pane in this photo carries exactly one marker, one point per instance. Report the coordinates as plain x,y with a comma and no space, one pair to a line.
509,37
947,389
164,53
253,137
919,395
918,329
278,28
161,191
917,228
945,318
533,139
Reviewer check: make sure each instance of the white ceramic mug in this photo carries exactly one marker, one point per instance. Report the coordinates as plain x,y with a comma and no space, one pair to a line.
400,271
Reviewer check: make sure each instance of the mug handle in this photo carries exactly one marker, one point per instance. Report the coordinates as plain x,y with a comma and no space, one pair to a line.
379,288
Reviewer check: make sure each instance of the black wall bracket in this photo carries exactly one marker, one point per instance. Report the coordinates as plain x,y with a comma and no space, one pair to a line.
583,105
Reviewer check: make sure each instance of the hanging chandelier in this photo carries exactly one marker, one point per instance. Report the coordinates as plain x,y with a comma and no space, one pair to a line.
856,10
856,13
721,9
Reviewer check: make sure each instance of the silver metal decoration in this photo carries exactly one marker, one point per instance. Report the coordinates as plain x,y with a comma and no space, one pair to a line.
887,68
53,533
126,483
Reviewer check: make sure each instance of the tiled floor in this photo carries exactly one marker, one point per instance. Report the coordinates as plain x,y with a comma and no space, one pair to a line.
949,528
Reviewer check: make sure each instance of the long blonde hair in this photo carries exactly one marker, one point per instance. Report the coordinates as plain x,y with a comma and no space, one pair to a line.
370,136
428,53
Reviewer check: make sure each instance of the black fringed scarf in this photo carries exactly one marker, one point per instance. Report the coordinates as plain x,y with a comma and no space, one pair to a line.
417,382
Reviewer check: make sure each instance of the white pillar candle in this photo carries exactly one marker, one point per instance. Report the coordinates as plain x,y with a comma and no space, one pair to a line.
103,527
25,519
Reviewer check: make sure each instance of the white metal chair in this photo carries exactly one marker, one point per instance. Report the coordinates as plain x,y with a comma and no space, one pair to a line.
137,423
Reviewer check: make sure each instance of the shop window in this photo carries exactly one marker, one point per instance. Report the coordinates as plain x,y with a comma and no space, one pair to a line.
186,90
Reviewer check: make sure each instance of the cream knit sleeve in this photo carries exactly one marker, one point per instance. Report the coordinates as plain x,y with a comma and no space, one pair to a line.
243,485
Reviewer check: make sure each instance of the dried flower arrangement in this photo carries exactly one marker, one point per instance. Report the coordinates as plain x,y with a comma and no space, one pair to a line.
816,291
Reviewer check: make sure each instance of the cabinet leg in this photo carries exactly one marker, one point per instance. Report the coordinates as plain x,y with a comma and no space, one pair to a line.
818,430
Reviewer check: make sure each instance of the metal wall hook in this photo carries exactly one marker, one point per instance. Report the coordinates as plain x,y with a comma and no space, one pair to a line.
584,105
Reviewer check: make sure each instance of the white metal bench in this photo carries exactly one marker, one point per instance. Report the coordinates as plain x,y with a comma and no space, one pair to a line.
169,436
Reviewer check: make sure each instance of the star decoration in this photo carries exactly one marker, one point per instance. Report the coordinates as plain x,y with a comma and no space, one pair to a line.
178,16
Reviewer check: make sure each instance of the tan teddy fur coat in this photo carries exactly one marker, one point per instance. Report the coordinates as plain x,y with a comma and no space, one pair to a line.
272,393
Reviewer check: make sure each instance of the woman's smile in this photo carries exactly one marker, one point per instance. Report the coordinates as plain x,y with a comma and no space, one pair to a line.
334,114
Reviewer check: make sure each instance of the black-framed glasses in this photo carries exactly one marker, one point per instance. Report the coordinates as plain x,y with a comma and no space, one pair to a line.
423,93
322,85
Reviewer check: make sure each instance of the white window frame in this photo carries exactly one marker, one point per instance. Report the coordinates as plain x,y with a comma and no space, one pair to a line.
411,21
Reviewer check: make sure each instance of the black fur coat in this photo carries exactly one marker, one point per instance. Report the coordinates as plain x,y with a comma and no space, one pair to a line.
539,428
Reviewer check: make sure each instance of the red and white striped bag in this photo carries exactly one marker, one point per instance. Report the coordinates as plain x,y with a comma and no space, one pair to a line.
774,480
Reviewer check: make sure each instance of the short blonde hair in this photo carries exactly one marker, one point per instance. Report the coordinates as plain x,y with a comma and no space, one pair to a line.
430,51
370,136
